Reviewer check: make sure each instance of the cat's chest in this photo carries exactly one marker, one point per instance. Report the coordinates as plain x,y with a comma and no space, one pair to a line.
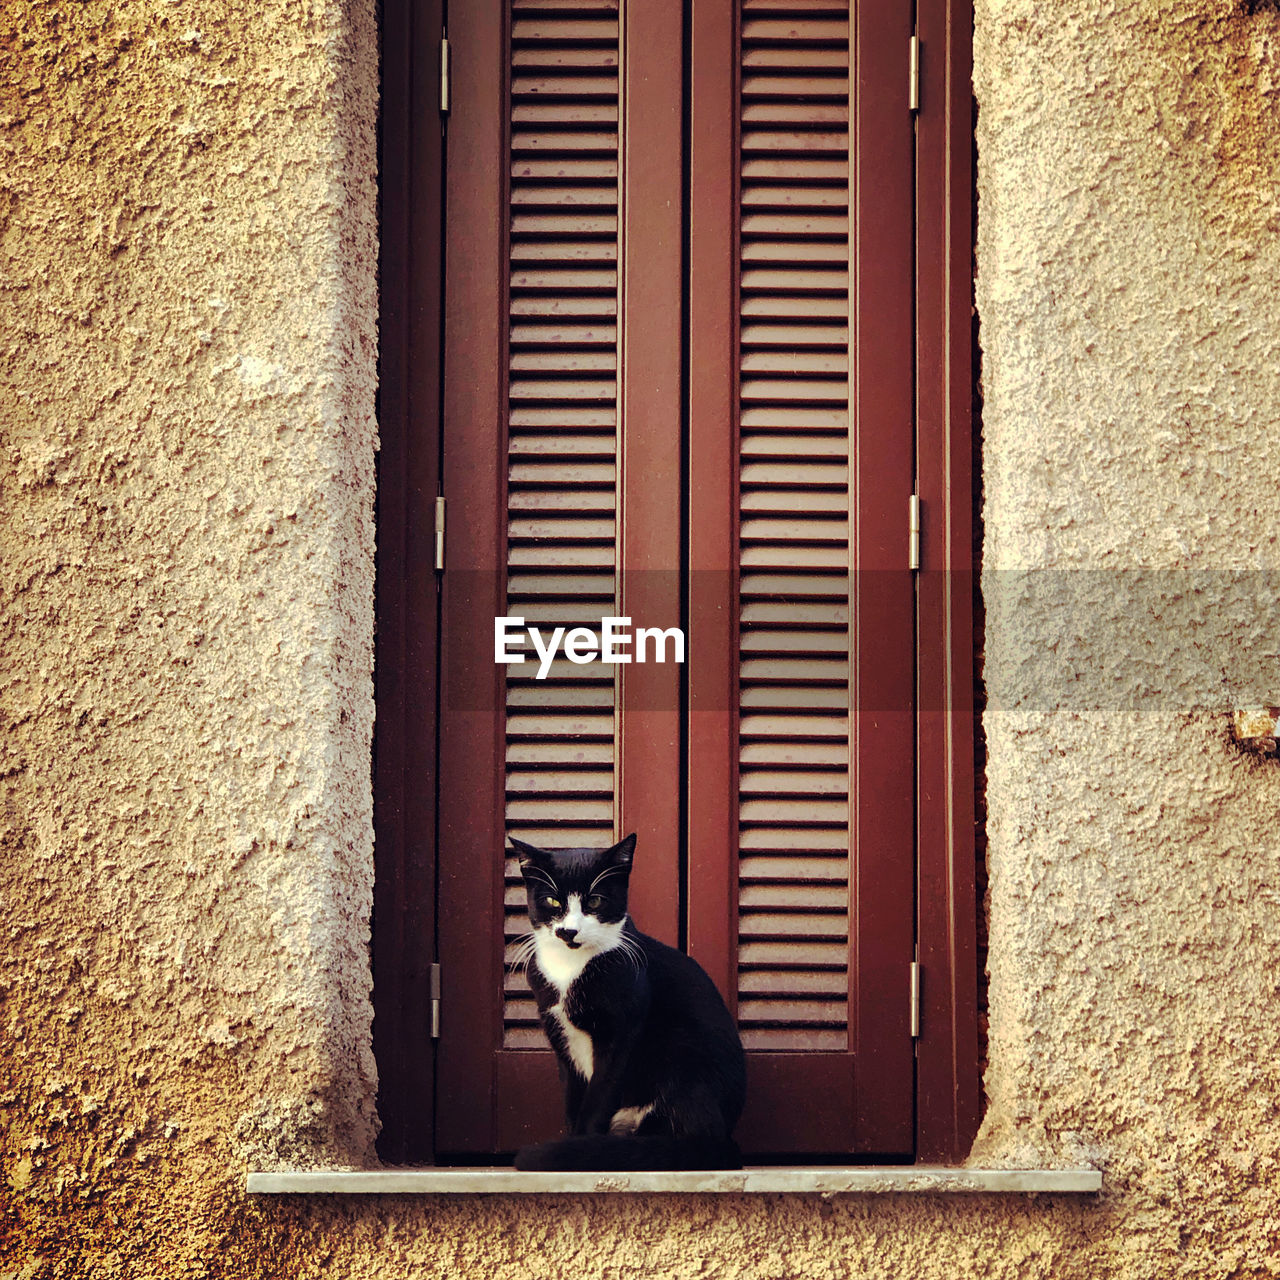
567,1012
578,1043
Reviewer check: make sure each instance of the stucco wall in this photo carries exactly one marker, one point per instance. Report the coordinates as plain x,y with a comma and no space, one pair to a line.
188,335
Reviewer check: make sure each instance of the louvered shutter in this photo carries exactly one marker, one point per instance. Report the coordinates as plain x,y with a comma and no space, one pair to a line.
809,922
556,475
563,464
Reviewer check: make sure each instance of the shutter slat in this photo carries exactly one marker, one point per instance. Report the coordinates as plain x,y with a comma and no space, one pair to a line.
814,870
794,586
576,530
817,698
584,31
762,195
569,416
564,835
554,814
759,113
572,169
782,783
806,63
780,730
788,840
777,1011
835,530
573,447
793,502
530,784
564,279
573,88
600,308
811,926
796,362
540,8
800,171
792,416
551,55
591,336
769,1040
552,728
527,250
809,30
800,449
794,982
602,198
786,308
777,556
793,812
795,337
801,897
600,114
554,753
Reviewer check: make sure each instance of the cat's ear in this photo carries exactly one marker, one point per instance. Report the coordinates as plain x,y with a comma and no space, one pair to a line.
622,853
529,855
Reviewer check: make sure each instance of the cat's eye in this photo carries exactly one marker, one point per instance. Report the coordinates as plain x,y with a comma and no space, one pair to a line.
553,902
594,903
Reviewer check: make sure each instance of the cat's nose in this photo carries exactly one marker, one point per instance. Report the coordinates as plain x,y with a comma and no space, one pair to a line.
567,935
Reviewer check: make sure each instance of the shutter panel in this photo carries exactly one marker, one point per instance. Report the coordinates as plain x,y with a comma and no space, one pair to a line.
793,522
558,470
561,438
801,849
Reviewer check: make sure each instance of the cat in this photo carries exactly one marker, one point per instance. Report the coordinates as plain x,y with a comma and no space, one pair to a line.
652,1066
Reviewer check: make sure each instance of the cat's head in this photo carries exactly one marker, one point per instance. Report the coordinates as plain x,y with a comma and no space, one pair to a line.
578,897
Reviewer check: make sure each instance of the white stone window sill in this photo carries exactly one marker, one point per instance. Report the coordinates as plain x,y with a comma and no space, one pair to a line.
819,1180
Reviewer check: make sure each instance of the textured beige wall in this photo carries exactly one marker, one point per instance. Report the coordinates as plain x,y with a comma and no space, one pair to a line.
187,321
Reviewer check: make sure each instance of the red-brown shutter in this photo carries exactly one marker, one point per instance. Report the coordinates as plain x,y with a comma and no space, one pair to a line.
801,339
558,474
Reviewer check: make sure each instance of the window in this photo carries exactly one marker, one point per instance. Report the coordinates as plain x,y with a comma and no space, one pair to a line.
681,357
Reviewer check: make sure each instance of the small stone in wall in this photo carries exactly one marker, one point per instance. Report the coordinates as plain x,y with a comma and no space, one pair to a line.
1254,729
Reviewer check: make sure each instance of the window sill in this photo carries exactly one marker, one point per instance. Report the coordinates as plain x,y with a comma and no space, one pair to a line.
819,1180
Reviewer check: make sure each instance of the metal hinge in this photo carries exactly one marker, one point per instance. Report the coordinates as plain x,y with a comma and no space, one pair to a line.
915,999
913,75
913,531
444,76
435,1002
439,535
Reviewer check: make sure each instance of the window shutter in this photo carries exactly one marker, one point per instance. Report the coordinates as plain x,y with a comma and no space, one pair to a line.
800,337
579,476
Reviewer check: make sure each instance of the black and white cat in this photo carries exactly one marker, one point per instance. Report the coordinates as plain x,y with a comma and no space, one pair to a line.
653,1070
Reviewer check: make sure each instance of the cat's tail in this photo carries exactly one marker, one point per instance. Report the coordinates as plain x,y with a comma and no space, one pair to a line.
609,1152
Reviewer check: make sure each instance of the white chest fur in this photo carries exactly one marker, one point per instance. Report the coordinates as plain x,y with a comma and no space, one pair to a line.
581,1051
561,966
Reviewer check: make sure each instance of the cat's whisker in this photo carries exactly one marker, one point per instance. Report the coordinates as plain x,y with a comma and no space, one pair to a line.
632,951
536,873
608,871
522,951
